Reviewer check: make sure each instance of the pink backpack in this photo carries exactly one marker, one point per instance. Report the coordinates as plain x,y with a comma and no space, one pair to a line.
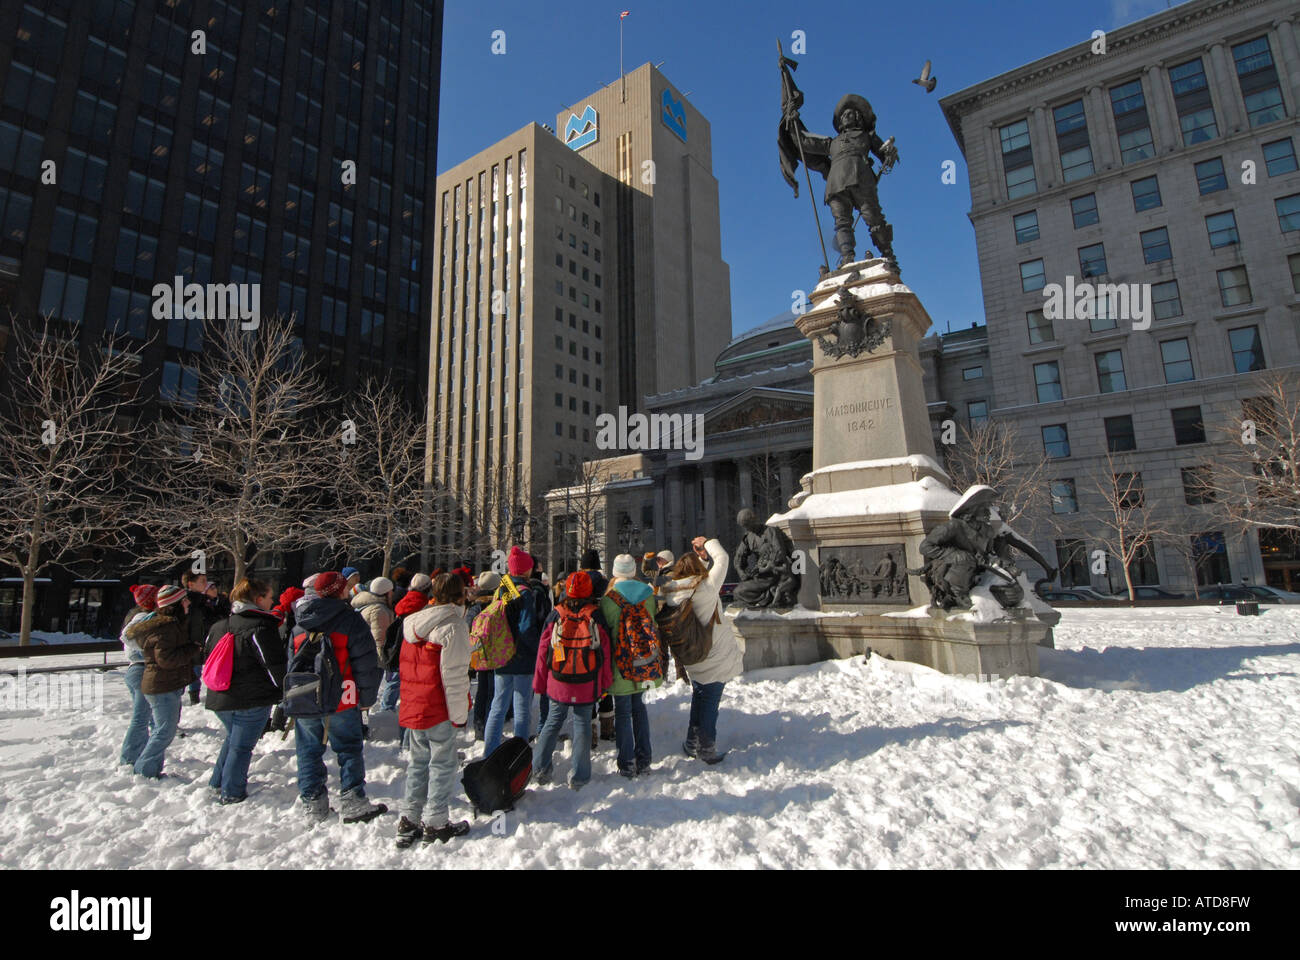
220,664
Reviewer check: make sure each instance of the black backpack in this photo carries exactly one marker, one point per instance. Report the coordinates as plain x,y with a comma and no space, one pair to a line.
313,684
499,779
391,658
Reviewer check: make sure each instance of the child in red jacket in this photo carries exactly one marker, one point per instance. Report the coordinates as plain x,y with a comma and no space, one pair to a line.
434,705
574,669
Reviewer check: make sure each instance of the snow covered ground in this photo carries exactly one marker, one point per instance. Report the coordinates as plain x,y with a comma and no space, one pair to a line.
1155,738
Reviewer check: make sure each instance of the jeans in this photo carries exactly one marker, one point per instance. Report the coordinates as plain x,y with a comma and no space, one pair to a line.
137,729
543,707
166,709
430,774
508,685
483,698
544,752
243,729
389,691
344,737
705,698
632,732
198,678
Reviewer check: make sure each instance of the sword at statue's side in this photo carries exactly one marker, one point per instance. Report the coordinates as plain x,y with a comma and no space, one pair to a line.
792,124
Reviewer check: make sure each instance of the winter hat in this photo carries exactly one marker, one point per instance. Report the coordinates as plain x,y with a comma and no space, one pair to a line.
170,594
310,582
624,566
350,572
578,586
380,586
330,584
666,556
590,560
290,596
421,583
488,581
519,562
146,596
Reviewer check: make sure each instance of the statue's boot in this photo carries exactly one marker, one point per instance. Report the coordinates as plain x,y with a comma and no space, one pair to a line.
883,238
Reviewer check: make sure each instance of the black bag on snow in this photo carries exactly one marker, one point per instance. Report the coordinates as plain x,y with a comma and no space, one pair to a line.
498,780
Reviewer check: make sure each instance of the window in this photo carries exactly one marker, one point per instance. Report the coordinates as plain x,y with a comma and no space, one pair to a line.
559,400
1110,371
1040,328
1188,425
1222,228
1026,225
1279,157
1210,176
1092,260
1247,349
1293,261
1031,276
1192,101
1072,562
1258,79
1131,124
63,295
1234,286
1056,440
559,432
559,343
1210,552
1084,210
1198,485
1047,381
977,412
1120,437
1142,568
972,373
1018,160
1288,212
1063,497
1155,245
1146,194
1176,355
1165,302
1128,490
1072,139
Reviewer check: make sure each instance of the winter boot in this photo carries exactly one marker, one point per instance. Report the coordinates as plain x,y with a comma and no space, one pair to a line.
408,833
357,809
317,808
691,745
479,733
446,831
708,754
607,728
595,738
194,698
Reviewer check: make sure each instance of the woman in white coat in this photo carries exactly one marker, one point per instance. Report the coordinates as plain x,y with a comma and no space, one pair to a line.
692,580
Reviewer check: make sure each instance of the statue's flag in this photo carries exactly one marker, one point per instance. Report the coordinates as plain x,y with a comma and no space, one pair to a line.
787,136
624,14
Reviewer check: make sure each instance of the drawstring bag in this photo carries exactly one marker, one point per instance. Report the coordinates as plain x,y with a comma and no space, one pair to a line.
220,664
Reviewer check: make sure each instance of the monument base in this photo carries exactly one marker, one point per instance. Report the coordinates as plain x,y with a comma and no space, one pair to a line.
945,642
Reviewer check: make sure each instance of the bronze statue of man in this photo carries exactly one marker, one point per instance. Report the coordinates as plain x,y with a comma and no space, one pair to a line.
764,561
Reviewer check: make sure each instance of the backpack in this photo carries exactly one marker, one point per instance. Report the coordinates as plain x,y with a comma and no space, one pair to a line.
220,664
498,780
636,649
492,645
391,657
689,640
313,683
575,646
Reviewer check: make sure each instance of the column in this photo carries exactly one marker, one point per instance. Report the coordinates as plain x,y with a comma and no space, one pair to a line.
1160,110
787,481
746,485
1223,80
1042,135
660,537
1101,129
675,528
710,501
1286,60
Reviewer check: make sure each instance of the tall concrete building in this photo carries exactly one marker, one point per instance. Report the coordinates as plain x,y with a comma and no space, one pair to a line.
575,272
1167,161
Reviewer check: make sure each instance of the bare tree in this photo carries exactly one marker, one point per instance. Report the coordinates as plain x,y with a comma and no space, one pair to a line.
1183,535
379,477
245,456
1255,478
1118,518
60,463
993,453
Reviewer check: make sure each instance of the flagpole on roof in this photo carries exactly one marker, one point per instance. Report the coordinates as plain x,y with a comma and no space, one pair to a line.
622,79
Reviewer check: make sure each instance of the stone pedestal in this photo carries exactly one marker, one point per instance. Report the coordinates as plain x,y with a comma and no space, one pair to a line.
875,491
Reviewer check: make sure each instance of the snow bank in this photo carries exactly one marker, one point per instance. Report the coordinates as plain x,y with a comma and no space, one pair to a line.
1155,739
926,494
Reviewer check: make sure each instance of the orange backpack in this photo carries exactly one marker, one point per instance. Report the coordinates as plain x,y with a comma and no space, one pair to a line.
576,655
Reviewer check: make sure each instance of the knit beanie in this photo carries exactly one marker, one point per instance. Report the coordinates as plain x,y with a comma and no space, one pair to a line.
330,584
146,596
578,586
624,566
488,581
421,583
380,586
519,562
170,594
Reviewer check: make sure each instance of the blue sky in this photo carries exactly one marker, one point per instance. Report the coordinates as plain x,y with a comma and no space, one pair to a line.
724,54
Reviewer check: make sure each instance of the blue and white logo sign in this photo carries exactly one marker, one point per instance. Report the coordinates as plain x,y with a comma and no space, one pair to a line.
581,131
673,114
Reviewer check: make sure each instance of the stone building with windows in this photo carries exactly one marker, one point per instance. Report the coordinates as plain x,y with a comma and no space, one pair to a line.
1164,167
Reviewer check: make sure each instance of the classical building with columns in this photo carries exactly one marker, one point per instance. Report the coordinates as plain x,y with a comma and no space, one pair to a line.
1159,161
756,412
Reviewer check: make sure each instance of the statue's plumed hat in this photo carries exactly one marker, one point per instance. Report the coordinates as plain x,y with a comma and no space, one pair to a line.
858,103
976,496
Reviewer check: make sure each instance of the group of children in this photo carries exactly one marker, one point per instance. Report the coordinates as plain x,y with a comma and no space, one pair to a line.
333,649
